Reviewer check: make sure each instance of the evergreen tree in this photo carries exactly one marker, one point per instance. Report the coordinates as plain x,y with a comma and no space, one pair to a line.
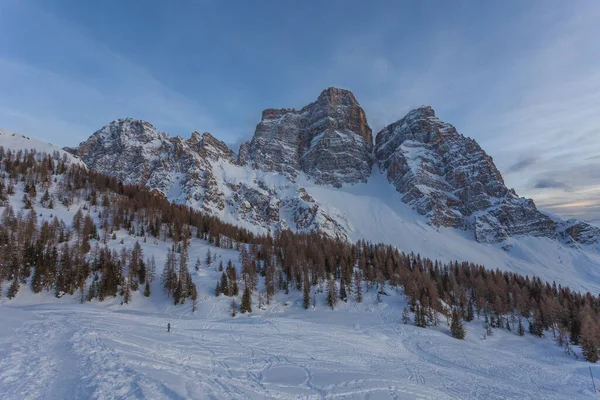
224,285
218,289
457,328
488,326
520,328
343,295
420,317
469,315
405,316
13,288
208,258
331,295
246,306
536,326
147,290
306,291
358,283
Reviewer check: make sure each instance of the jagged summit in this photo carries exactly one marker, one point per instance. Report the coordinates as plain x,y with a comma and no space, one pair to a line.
329,139
452,180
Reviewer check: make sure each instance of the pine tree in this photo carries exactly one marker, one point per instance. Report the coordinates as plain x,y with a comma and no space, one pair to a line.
520,328
420,317
218,289
331,295
147,290
224,285
358,283
470,315
13,288
405,316
536,326
343,295
246,306
208,258
457,328
306,291
488,326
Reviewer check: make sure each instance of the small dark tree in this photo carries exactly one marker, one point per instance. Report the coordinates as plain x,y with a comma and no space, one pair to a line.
246,306
405,316
13,288
147,290
520,328
306,291
343,295
358,283
224,285
457,328
331,295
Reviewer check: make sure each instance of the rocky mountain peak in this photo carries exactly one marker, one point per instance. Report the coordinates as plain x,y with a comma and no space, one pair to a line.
329,140
452,180
209,146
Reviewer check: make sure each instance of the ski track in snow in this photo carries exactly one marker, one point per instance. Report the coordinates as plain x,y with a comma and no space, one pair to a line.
78,352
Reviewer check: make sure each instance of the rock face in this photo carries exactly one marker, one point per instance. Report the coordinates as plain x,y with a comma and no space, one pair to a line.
580,232
449,178
202,172
329,140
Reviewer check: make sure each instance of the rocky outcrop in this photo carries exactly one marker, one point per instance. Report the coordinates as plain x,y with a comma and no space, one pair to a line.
449,178
329,140
580,232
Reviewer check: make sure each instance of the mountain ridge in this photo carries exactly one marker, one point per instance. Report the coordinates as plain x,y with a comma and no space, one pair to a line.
440,173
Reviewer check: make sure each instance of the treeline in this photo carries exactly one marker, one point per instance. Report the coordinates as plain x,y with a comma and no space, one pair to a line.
58,256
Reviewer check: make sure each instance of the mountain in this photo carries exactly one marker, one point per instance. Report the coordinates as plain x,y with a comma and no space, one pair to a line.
451,180
329,140
201,172
14,142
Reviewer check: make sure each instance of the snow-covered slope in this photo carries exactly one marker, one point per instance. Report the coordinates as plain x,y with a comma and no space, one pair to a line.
62,350
15,141
56,348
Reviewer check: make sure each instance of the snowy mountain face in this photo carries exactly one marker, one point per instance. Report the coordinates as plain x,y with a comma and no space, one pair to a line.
451,180
302,169
202,172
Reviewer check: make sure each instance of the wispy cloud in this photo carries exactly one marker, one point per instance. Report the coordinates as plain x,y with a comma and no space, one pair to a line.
549,183
522,164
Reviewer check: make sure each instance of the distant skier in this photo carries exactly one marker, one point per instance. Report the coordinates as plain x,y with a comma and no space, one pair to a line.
169,327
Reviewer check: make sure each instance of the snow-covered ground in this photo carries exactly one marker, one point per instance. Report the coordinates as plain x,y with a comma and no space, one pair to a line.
62,350
14,141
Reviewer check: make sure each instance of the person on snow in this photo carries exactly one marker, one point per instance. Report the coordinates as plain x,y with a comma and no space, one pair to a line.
169,327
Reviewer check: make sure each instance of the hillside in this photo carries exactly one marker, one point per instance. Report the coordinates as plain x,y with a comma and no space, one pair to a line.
117,347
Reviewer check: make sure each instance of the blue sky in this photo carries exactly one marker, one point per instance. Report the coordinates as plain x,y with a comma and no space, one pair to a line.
521,77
